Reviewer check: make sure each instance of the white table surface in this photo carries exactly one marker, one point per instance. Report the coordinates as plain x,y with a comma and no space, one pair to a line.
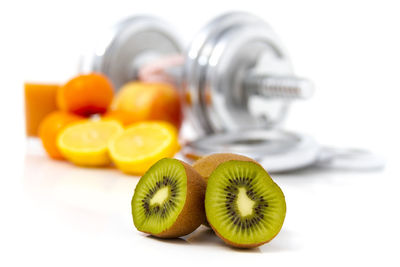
71,216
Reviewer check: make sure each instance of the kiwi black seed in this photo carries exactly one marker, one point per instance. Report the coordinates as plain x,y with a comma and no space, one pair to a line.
244,206
169,200
207,164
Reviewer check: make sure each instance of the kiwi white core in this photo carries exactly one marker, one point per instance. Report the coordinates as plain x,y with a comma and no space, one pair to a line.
244,203
160,196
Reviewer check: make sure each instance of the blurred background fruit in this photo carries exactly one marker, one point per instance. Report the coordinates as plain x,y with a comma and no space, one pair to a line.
86,143
49,129
125,118
143,144
141,101
86,95
40,100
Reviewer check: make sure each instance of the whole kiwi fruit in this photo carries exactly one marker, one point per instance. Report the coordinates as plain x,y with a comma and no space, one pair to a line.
207,164
244,206
169,200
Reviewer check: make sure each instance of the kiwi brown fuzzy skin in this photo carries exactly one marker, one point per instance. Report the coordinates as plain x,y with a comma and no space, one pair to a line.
206,165
193,213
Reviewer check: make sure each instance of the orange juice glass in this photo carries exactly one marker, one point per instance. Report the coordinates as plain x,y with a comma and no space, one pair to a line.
40,100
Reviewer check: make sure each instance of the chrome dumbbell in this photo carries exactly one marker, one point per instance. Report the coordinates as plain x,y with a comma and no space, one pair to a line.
234,75
239,75
237,82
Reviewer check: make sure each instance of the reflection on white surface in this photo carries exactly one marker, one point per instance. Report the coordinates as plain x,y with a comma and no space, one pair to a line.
93,190
87,212
90,199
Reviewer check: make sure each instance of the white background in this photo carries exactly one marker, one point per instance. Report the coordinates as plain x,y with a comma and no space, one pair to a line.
53,214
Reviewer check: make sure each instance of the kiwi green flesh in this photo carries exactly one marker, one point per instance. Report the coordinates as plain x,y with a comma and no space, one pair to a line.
243,204
159,196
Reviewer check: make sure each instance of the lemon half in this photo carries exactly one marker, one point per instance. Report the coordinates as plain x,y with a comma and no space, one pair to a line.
142,144
86,143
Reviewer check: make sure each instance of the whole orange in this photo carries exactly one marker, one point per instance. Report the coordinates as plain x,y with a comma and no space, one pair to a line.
125,118
86,94
51,126
149,101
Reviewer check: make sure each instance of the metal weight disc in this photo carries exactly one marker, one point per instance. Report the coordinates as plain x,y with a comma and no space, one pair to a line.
129,45
196,62
223,53
276,150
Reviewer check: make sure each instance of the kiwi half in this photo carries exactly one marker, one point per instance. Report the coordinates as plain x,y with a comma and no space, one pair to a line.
206,165
169,200
244,206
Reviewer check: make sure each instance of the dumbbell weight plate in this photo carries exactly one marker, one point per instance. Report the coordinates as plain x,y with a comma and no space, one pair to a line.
129,45
221,55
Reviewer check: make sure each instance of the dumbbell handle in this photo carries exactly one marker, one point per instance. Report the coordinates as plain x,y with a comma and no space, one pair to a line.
169,68
278,87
